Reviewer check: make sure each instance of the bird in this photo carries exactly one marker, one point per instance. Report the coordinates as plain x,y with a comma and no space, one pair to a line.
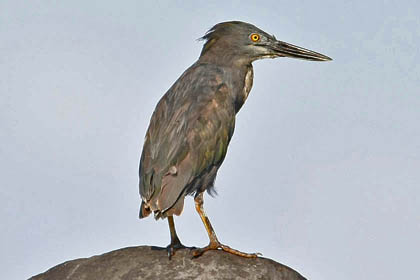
193,123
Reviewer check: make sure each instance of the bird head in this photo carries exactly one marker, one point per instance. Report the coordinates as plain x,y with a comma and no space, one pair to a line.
239,41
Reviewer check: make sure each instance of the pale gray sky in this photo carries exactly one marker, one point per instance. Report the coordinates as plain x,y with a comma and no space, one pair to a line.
323,171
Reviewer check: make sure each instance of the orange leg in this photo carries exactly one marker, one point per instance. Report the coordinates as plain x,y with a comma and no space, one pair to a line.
214,243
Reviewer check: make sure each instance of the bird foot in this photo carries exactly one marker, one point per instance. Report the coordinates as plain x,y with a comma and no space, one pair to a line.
172,248
175,247
218,246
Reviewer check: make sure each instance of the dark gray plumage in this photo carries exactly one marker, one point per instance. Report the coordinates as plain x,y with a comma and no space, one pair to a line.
191,127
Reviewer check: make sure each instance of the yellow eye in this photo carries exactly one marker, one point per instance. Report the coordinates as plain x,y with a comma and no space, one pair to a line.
255,37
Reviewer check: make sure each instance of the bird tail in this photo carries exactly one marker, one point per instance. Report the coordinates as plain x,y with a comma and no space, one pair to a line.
144,210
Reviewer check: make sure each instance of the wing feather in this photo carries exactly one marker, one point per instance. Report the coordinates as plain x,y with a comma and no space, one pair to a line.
189,132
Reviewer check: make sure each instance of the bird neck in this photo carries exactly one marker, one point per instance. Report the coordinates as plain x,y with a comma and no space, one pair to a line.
217,55
243,77
237,76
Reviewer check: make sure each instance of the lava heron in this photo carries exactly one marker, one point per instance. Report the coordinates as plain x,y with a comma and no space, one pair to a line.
192,124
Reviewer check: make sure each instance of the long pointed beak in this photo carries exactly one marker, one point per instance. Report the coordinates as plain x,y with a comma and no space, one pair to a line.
289,50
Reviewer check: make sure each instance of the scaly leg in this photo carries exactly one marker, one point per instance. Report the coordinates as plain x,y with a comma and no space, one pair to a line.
214,243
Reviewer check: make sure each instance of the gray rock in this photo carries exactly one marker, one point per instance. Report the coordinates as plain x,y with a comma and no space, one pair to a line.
144,263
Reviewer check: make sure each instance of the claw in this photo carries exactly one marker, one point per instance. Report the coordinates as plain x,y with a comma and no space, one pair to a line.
172,248
214,243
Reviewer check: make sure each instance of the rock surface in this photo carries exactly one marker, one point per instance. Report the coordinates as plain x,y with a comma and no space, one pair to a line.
144,263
